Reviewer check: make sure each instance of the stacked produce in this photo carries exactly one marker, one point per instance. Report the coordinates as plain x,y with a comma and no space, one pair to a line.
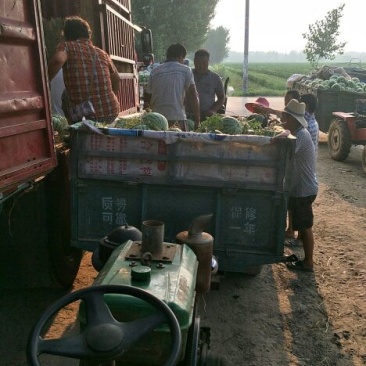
60,126
143,77
217,123
334,83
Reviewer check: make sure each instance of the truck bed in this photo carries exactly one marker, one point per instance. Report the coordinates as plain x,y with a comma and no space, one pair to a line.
129,176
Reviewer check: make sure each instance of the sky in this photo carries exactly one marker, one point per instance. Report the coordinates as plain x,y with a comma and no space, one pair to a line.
278,25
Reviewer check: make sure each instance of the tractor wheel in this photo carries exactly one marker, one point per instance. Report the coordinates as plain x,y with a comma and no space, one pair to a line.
339,140
363,159
193,342
65,259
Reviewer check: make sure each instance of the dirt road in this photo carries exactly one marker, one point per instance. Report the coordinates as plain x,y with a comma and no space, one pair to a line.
277,318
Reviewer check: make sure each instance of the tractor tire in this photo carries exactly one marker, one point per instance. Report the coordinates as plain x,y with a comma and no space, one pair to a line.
192,345
65,259
363,159
339,140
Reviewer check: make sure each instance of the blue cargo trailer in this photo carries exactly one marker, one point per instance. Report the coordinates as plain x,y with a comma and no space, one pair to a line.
128,176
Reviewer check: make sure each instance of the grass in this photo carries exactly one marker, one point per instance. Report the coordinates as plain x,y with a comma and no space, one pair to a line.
263,78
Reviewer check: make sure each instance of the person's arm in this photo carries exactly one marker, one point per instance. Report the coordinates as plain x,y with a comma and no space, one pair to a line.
220,94
268,110
115,80
193,96
114,76
148,94
147,100
57,61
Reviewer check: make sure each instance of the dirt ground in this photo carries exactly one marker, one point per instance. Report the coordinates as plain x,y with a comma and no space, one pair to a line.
278,317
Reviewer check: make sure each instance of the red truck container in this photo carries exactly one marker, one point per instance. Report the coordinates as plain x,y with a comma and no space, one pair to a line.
26,137
34,175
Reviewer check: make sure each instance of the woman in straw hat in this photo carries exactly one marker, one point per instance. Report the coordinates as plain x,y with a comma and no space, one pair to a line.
304,185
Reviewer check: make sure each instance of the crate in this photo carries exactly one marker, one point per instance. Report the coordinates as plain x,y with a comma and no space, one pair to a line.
187,179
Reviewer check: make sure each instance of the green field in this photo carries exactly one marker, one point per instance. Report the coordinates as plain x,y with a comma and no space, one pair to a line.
263,79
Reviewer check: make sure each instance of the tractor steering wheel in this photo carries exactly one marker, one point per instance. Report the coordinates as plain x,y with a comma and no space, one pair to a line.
103,338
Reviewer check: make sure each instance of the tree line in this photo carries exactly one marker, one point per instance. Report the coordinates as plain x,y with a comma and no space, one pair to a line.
188,22
181,21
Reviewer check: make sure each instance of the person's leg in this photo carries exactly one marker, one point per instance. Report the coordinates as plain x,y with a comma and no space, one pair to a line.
290,234
183,125
308,243
299,237
303,222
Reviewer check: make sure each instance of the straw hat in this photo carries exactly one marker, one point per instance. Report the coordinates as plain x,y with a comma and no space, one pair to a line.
261,101
296,110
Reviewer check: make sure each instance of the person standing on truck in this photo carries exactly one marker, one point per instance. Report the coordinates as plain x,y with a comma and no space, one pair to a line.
304,185
168,86
78,58
209,86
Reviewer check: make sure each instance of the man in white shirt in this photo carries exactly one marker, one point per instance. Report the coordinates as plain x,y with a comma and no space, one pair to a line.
168,86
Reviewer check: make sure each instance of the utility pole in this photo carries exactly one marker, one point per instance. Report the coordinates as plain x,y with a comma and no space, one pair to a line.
246,47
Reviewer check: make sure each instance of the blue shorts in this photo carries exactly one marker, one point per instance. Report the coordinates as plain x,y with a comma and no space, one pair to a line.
302,212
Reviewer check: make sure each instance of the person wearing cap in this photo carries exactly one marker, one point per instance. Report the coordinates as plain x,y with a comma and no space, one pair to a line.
259,108
290,94
304,185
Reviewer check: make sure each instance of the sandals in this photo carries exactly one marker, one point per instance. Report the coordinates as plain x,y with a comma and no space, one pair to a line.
299,266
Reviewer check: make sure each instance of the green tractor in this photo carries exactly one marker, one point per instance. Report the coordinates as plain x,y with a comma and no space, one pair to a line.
142,309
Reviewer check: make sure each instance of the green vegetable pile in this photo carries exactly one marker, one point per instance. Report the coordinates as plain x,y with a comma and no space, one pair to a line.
217,123
143,77
60,125
335,83
235,126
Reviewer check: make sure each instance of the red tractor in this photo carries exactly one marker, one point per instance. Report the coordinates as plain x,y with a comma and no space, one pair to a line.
348,129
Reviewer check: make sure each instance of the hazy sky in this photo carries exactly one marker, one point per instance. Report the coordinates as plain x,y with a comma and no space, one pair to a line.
278,25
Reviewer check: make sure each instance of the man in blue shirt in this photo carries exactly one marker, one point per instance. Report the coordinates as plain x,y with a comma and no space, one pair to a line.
209,86
313,127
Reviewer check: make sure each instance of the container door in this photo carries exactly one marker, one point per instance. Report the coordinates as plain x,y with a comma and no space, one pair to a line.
26,135
118,40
